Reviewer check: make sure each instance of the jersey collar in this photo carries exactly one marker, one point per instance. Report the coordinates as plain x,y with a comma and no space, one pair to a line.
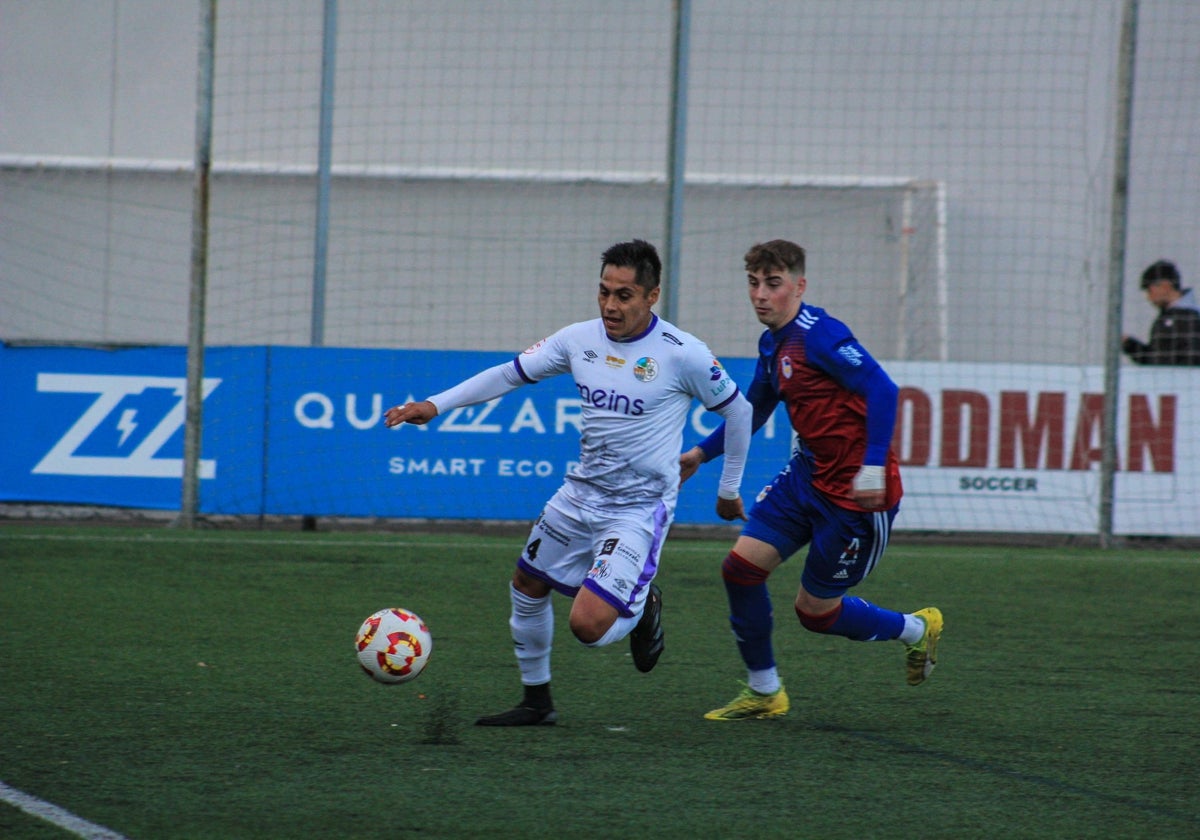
649,329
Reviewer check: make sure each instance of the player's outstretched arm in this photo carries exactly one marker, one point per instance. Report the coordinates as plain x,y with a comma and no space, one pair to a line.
483,386
417,413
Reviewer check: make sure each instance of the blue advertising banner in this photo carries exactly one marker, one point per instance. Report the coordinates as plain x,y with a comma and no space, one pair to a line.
330,454
105,427
293,431
296,431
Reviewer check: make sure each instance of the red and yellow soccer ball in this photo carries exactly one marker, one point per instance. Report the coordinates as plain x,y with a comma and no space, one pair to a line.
393,646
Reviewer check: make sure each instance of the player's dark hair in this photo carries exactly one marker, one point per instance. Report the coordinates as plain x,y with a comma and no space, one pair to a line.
774,255
639,255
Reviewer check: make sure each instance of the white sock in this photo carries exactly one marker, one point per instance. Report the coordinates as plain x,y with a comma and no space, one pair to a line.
914,629
765,682
619,630
532,625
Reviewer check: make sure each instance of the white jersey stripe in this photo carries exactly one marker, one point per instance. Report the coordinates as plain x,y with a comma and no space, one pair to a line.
882,527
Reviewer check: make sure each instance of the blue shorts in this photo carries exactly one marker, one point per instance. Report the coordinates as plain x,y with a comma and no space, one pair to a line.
845,544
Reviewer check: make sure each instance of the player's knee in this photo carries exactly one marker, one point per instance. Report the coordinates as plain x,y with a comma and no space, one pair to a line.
529,585
737,570
588,629
819,623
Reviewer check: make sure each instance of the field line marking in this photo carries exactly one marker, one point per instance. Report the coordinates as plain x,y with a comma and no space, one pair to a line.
61,817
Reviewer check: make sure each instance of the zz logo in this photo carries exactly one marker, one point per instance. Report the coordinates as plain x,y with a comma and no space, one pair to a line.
111,390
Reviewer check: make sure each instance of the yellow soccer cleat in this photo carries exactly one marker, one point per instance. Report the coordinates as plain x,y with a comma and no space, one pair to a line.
921,658
751,704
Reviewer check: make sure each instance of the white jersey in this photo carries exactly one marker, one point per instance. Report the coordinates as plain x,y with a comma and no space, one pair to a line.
636,397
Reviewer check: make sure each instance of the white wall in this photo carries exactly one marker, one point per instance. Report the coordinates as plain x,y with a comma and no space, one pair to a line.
1008,102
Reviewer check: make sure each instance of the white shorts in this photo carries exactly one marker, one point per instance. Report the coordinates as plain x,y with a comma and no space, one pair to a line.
614,554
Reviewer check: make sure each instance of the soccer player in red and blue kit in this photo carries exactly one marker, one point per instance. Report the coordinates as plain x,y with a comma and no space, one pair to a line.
838,494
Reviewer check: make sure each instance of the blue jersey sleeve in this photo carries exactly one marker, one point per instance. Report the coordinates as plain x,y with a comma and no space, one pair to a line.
834,349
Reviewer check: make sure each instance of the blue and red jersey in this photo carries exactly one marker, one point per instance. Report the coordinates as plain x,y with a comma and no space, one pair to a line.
841,403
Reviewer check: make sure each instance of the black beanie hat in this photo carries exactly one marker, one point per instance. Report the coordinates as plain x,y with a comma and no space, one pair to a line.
1161,270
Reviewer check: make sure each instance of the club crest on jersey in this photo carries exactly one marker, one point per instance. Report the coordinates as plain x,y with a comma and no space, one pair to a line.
785,367
645,369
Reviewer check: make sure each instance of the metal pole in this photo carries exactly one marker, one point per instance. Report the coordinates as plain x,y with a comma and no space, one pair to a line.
943,290
324,165
1116,268
194,399
324,158
906,226
676,156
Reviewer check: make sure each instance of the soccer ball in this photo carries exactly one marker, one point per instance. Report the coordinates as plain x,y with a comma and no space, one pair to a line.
393,645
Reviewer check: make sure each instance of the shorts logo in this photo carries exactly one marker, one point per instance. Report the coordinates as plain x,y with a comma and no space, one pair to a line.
600,570
610,545
848,559
97,428
850,553
645,369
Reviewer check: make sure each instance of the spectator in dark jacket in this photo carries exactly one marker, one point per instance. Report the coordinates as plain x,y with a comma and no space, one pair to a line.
1175,334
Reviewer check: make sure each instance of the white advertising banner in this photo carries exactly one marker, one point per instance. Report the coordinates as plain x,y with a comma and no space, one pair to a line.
1017,448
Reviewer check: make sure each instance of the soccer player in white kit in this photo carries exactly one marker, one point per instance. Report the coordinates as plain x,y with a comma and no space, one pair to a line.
599,539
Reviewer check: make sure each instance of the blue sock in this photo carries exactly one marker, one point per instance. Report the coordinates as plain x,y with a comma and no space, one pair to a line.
750,612
856,619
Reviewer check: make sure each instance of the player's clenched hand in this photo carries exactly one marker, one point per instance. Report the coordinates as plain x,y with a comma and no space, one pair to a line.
731,509
870,487
417,413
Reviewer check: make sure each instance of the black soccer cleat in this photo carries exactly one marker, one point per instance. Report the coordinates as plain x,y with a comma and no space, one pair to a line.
520,716
646,640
